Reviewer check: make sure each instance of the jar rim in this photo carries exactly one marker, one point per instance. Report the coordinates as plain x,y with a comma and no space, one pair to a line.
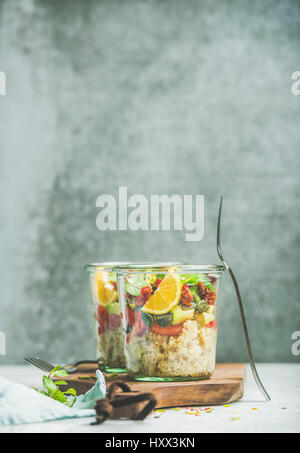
112,265
180,268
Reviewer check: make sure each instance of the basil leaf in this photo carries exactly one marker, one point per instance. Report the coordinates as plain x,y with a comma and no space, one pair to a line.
61,383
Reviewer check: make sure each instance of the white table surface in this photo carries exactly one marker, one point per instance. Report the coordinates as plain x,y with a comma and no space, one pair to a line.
281,414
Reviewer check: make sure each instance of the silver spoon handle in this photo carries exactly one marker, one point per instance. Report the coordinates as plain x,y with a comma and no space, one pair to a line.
242,313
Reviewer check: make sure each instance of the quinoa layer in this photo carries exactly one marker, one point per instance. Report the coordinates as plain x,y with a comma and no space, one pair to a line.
110,349
191,354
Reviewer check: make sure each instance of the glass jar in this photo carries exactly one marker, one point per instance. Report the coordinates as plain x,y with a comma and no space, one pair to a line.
108,329
107,320
170,320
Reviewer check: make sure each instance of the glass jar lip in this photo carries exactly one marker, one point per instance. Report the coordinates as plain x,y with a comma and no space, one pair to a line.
107,265
112,265
177,267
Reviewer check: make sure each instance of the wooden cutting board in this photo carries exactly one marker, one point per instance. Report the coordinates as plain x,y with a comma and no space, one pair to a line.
225,386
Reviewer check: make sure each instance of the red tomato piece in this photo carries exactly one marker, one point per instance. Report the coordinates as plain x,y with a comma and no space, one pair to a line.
169,330
102,315
157,282
139,327
212,324
144,296
113,321
130,315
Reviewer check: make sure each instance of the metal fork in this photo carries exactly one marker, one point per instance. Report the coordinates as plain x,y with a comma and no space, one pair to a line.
46,366
242,313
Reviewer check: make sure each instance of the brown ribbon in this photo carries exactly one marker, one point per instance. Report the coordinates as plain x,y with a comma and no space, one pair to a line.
105,407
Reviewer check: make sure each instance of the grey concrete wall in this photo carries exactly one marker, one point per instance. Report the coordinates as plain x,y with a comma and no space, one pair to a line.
163,97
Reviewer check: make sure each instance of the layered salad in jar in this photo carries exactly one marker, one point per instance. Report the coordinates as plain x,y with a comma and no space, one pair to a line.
170,323
107,320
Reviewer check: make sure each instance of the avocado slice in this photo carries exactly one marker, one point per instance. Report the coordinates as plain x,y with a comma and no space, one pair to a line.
113,308
204,318
180,315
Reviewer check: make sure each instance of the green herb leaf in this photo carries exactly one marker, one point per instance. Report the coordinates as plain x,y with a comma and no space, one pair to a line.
134,284
44,393
148,319
58,367
49,385
61,383
60,373
193,279
59,396
70,402
71,391
164,320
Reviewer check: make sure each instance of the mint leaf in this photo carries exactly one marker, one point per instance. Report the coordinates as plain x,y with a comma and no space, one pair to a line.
60,373
58,367
44,393
61,383
59,396
71,402
49,385
71,391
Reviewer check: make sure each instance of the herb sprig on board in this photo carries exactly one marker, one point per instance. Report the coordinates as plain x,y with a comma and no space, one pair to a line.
68,397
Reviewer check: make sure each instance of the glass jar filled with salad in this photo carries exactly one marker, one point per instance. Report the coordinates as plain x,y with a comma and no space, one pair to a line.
108,328
170,320
107,320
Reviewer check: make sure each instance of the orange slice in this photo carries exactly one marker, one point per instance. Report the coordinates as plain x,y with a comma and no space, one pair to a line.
165,297
105,291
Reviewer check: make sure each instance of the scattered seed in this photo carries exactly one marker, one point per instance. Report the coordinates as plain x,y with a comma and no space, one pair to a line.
226,405
255,408
235,417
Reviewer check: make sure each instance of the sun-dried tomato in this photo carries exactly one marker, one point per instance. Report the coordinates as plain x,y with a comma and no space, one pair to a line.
186,296
144,296
206,294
